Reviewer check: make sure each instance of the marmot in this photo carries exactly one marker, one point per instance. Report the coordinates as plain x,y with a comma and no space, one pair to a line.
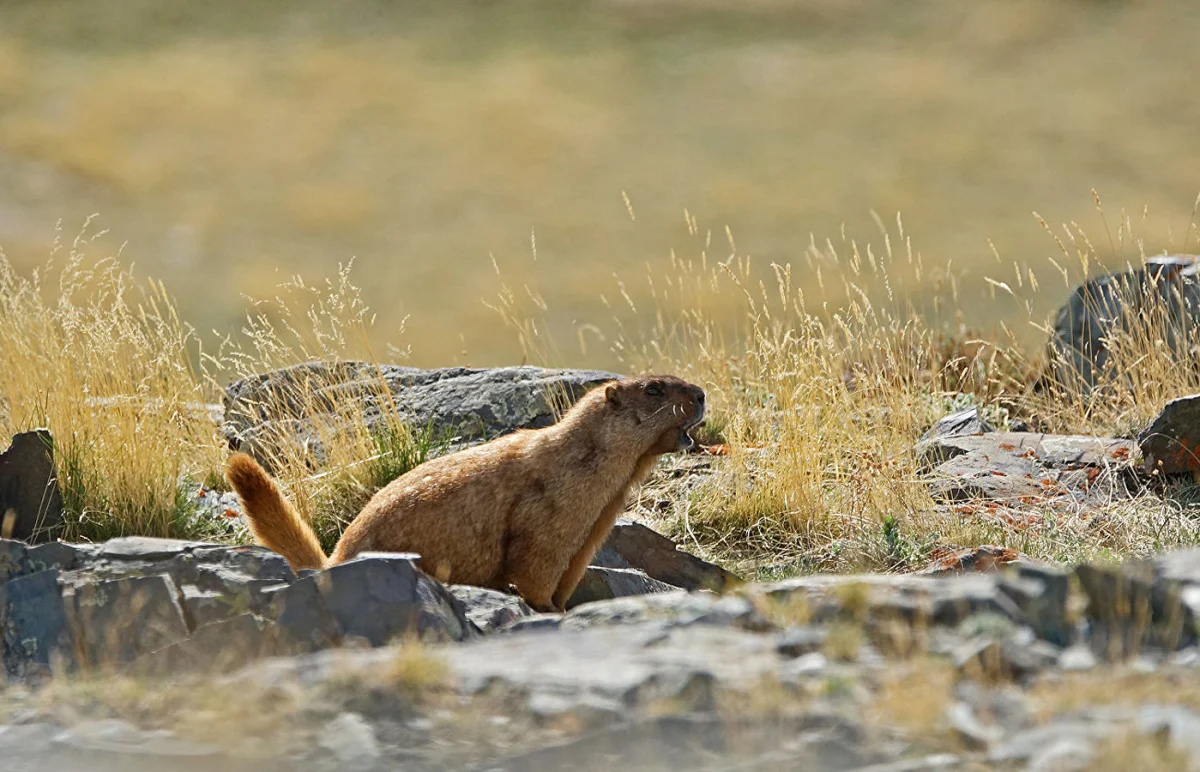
524,512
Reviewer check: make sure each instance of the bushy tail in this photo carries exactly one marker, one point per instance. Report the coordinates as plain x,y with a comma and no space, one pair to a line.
274,522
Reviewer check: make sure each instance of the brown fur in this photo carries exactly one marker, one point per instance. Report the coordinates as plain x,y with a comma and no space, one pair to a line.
525,511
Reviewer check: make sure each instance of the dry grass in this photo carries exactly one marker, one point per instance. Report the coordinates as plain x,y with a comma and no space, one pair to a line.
821,403
101,358
103,361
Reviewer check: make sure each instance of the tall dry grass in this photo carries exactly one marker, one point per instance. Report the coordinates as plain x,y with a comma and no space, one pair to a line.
821,401
101,358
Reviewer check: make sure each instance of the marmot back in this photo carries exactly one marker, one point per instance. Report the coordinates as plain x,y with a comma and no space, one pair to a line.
524,511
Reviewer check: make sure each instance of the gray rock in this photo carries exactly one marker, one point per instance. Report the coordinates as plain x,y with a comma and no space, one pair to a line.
1077,658
1041,592
351,741
117,620
380,596
30,499
303,616
146,548
1066,754
633,545
960,423
36,631
1082,736
967,726
923,764
217,647
57,555
920,600
799,641
14,559
1171,443
111,736
676,609
1180,726
1013,657
1134,605
490,610
1120,301
1014,466
471,404
608,583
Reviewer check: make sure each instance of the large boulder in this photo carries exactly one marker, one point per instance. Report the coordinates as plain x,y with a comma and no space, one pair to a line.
468,404
1122,302
1171,443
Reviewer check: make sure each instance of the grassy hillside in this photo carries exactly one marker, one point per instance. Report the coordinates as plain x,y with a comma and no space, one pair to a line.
229,146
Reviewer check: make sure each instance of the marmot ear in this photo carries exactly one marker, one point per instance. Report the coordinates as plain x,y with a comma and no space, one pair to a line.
610,396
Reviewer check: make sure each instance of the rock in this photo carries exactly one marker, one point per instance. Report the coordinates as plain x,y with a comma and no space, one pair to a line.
1118,302
1022,467
675,609
969,728
471,404
914,600
57,555
351,741
217,647
1052,739
1066,754
30,499
380,596
923,764
14,559
117,620
799,641
36,631
1013,657
1041,592
490,610
1077,658
608,583
960,423
146,548
1142,603
111,736
302,614
633,545
1171,443
1180,726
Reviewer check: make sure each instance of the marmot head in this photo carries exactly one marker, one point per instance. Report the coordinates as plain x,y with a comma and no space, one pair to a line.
663,407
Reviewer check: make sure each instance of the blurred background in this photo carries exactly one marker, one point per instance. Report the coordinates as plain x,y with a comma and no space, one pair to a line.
228,145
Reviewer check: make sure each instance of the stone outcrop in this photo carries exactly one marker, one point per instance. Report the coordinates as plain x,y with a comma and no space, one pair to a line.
1164,291
465,404
762,676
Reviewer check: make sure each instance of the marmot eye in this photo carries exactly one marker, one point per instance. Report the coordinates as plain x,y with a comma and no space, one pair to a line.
654,390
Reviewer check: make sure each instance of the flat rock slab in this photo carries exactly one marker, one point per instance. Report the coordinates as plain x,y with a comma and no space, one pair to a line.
1171,443
1025,467
30,499
467,403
